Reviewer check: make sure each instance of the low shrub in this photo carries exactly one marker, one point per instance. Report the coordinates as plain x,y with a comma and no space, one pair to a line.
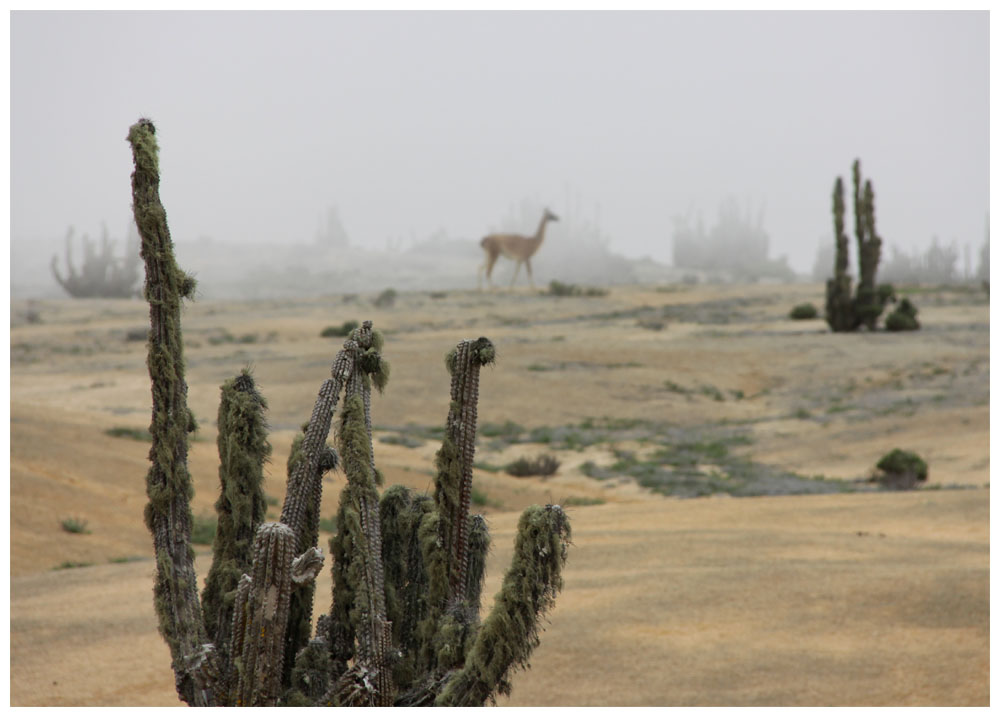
903,318
803,311
344,329
136,434
74,525
901,470
558,288
544,465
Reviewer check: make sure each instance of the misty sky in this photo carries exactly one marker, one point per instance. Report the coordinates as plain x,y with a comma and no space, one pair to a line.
413,122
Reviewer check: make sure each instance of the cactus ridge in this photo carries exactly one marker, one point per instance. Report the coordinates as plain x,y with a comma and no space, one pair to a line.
408,568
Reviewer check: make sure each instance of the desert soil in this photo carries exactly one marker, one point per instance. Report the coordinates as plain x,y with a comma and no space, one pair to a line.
845,595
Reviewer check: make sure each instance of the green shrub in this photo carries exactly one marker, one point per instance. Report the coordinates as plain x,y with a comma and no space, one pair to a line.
507,429
903,318
344,329
804,311
68,564
901,469
136,434
576,500
74,525
558,288
544,465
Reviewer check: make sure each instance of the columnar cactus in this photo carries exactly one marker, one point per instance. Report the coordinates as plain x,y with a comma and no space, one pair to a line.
843,311
404,626
101,273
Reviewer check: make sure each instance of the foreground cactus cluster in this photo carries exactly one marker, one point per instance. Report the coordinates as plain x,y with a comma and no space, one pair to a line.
404,624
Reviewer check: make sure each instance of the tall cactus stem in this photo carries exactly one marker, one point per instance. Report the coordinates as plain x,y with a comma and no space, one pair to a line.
510,632
168,483
241,507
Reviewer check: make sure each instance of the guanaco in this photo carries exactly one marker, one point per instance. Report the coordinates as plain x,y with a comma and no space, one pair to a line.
516,247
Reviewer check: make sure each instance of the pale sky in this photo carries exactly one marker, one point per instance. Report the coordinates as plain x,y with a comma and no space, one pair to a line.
410,122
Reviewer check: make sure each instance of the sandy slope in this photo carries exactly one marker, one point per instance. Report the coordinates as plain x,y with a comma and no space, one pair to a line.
844,599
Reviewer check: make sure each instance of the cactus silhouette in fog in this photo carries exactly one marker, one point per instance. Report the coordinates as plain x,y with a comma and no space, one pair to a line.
404,624
845,312
101,274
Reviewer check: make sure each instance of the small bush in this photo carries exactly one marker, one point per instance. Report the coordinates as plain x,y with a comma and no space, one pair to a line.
904,318
74,525
401,439
901,470
136,434
544,465
344,329
328,525
386,299
203,530
137,334
558,288
804,311
507,429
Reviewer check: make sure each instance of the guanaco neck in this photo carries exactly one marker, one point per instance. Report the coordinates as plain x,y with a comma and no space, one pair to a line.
536,241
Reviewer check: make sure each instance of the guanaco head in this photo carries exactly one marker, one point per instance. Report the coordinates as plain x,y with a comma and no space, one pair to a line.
549,216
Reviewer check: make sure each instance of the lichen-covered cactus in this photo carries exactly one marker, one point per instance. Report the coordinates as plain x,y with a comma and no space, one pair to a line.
404,625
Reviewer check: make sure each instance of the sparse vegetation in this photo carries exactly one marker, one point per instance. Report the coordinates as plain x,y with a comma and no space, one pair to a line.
344,329
74,525
544,465
803,312
136,434
558,288
903,318
581,501
224,337
401,439
901,470
70,564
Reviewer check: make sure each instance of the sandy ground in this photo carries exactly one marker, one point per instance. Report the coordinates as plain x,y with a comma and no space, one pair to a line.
868,598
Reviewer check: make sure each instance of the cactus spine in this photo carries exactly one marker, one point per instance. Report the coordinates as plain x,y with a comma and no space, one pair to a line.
408,568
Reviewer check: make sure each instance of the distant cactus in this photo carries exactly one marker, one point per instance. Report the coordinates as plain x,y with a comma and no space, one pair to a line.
102,275
845,312
404,626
